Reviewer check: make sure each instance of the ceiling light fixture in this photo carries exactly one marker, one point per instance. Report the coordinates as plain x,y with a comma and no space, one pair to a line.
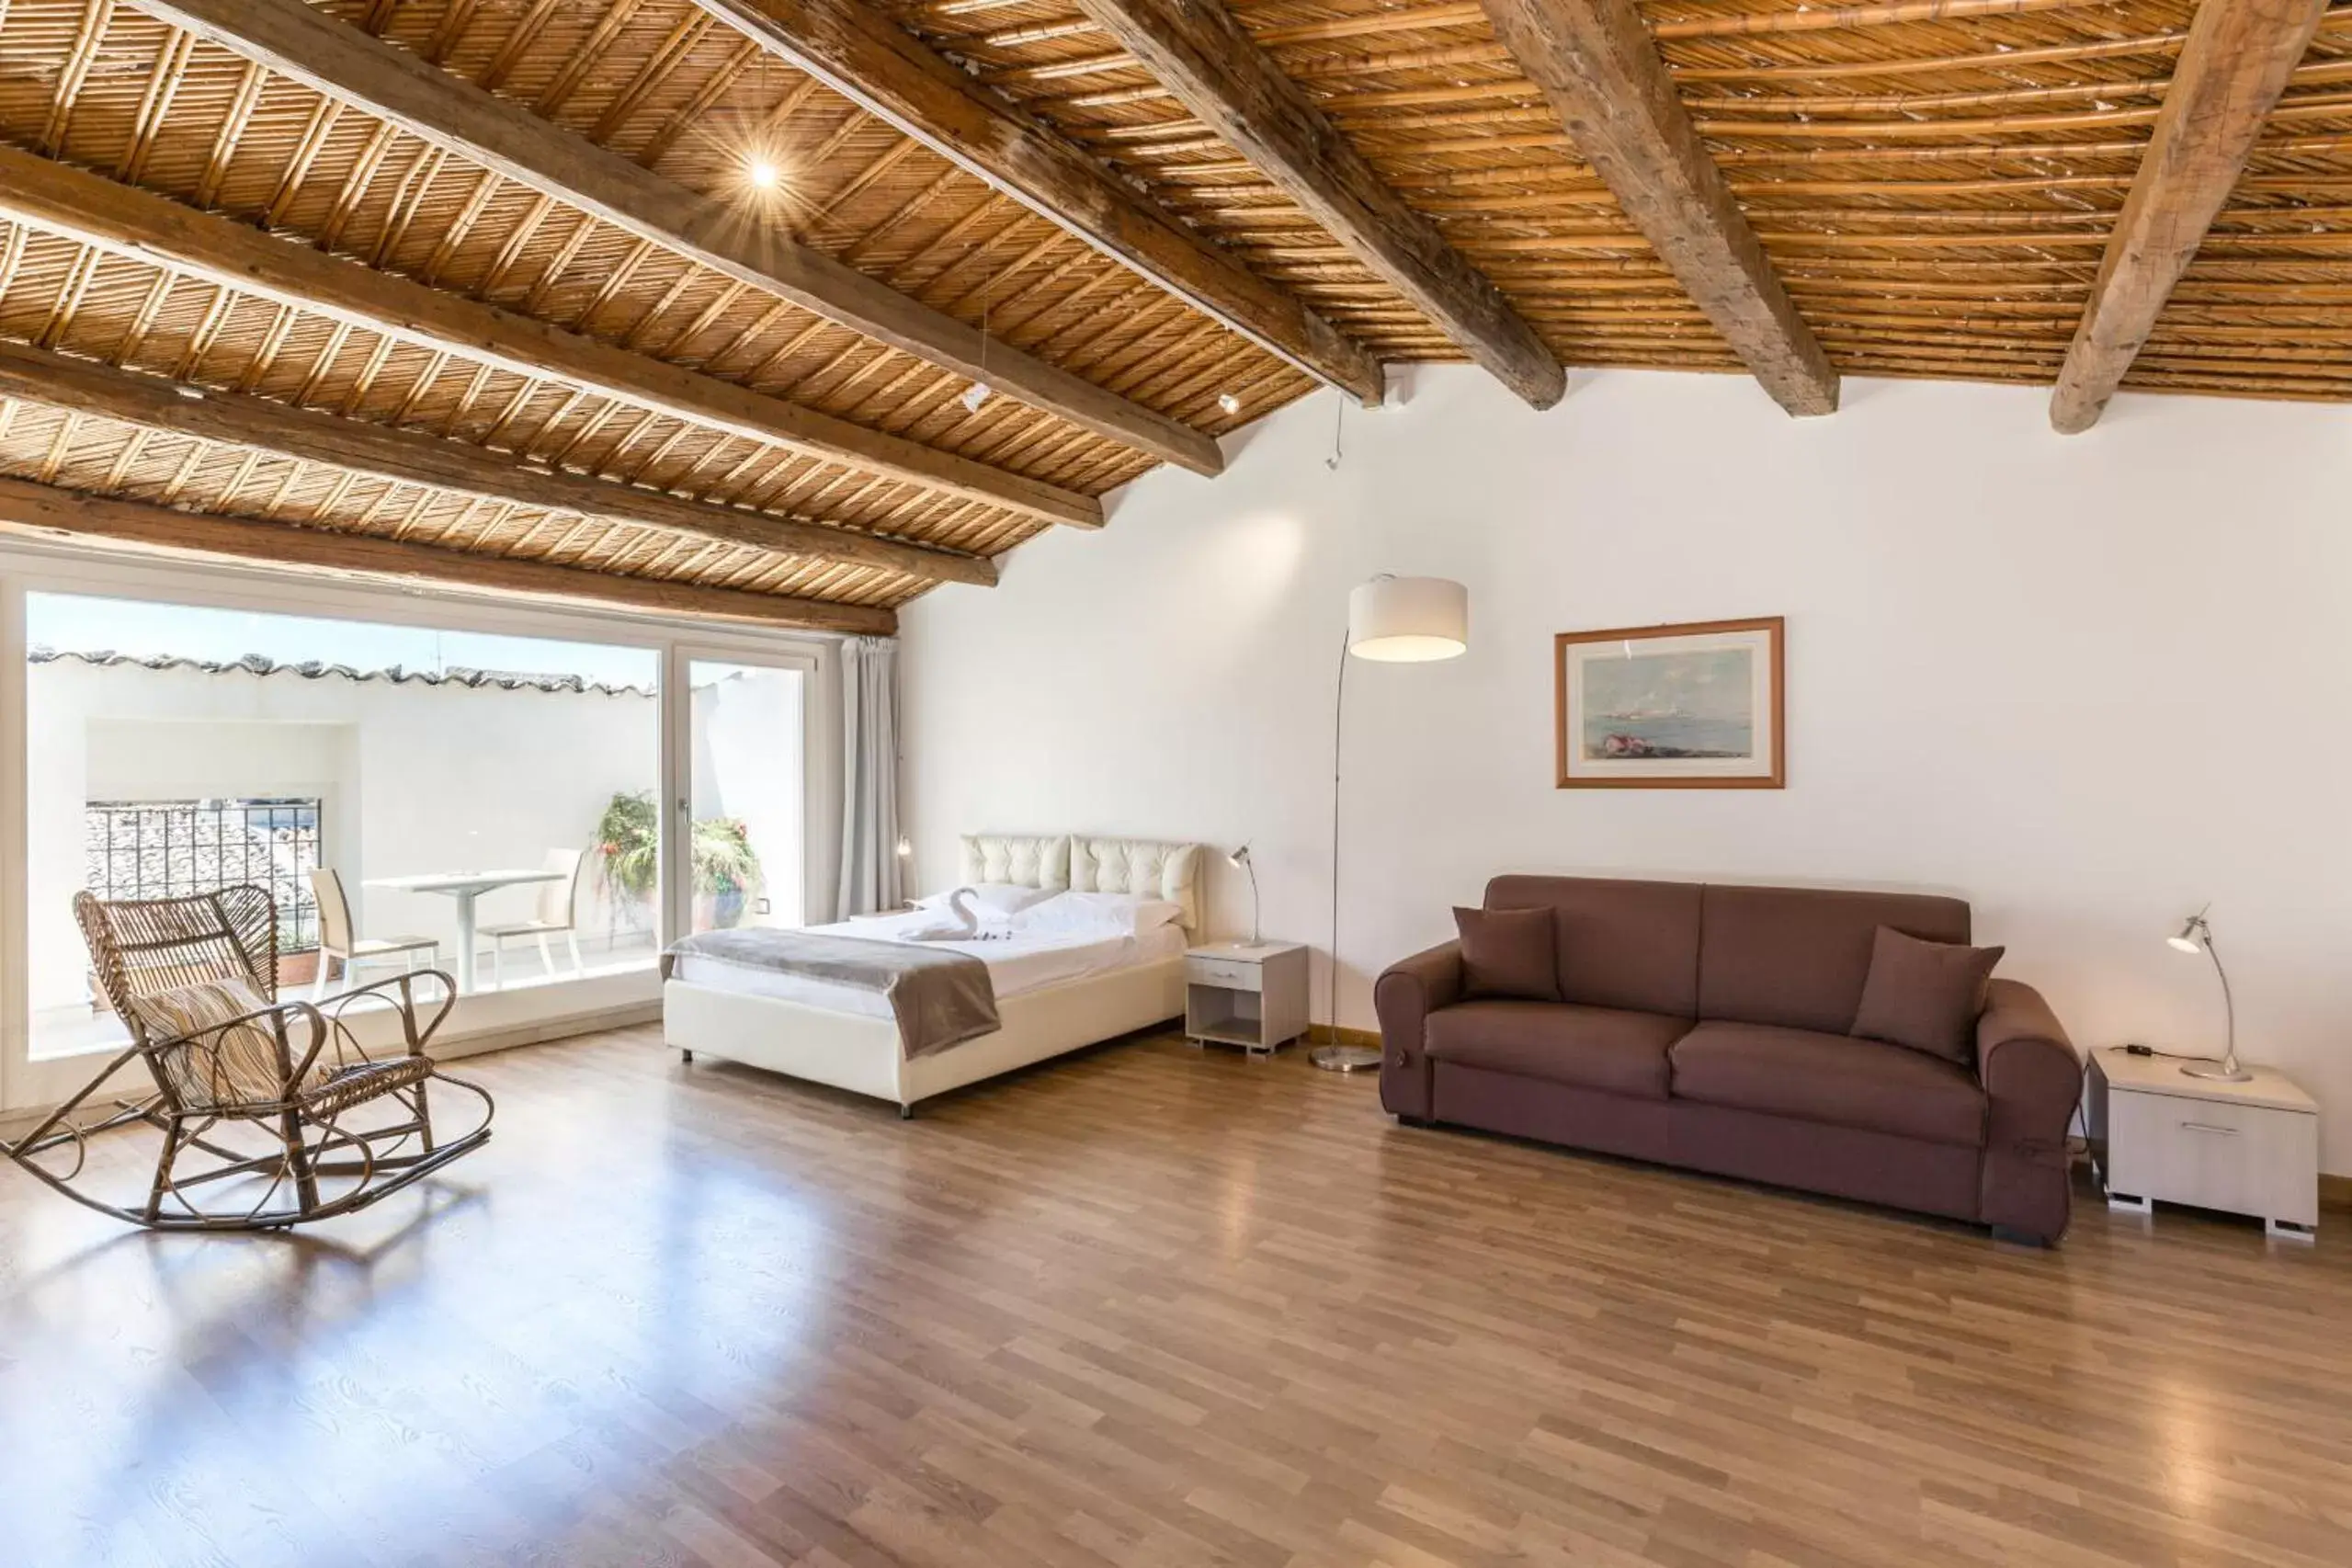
1229,402
973,396
765,175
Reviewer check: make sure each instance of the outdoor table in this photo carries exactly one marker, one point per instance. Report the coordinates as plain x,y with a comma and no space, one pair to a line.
464,887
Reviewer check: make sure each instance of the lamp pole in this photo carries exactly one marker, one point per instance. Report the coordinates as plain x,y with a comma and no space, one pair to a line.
1390,619
1338,1057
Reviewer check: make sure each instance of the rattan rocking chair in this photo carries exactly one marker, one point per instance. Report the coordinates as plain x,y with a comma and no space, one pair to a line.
269,1113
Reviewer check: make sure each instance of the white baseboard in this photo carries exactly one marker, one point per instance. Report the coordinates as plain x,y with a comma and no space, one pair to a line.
483,1042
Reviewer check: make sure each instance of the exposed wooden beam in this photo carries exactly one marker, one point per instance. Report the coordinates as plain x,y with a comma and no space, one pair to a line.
312,47
42,511
1596,66
411,456
866,57
2235,64
157,229
1198,52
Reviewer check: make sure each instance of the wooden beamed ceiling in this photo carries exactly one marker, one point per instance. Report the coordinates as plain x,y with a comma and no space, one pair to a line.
1226,82
301,42
2236,61
690,296
1595,63
861,53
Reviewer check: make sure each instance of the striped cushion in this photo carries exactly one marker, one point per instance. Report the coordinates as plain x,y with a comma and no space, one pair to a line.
220,1068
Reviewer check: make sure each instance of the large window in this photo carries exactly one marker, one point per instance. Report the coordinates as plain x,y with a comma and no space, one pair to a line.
472,788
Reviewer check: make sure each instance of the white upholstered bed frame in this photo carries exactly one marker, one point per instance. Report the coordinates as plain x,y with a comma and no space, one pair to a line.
862,1054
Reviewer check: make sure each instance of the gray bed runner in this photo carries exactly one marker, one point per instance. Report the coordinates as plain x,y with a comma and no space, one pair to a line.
940,997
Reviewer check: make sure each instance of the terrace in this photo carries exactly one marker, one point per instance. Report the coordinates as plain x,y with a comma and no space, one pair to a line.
177,750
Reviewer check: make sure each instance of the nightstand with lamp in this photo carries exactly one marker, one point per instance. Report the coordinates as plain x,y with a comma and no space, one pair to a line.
2210,1134
1252,993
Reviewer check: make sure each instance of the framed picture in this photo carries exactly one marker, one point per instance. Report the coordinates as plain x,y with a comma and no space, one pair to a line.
1695,707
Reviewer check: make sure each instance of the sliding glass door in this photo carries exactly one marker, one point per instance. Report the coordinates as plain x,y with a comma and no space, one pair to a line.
538,798
744,811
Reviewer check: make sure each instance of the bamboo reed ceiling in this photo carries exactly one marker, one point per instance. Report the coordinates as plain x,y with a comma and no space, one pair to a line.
1933,184
1934,189
105,87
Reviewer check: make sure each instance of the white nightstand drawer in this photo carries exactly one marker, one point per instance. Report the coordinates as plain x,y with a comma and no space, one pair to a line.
1227,972
2240,1158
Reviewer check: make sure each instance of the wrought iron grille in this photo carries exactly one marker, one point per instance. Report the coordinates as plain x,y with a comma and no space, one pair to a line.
137,849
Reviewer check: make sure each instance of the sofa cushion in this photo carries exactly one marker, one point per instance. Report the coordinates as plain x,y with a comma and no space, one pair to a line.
1612,1049
1829,1078
1798,955
1508,953
1622,944
1926,995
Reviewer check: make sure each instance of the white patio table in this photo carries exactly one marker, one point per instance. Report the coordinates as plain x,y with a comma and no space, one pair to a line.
464,887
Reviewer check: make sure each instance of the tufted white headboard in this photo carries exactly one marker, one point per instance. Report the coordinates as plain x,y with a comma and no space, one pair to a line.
1024,862
1171,871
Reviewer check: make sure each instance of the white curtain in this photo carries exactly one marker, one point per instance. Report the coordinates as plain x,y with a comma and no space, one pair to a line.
869,862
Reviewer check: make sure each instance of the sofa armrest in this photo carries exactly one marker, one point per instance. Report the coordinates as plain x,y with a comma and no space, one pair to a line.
1407,994
2033,1082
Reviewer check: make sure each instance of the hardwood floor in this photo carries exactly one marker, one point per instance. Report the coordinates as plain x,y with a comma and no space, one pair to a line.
1145,1307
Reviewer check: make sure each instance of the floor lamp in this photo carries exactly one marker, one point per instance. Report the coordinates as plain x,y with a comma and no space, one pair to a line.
1390,621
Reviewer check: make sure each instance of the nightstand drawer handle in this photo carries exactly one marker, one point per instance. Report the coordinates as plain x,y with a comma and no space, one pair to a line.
2208,1127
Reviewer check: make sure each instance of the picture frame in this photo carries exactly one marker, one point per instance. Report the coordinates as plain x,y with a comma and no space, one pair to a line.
1701,705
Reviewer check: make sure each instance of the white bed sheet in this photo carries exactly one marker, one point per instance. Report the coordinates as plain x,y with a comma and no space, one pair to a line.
1027,961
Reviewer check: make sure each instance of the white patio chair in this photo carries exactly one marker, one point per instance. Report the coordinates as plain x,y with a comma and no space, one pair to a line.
557,900
337,940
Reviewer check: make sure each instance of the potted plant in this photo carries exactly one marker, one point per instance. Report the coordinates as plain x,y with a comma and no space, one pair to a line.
724,865
726,870
629,847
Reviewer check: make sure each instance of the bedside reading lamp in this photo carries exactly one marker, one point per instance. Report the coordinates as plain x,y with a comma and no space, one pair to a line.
1393,620
1239,859
2197,937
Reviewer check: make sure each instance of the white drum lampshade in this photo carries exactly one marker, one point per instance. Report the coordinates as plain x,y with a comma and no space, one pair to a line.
1408,619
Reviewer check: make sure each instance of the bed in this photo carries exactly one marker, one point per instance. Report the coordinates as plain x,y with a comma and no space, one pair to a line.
1051,996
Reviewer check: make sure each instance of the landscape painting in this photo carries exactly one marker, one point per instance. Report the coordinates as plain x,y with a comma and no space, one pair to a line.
1686,706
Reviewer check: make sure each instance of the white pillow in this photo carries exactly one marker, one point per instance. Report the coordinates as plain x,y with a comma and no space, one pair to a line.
1134,913
999,899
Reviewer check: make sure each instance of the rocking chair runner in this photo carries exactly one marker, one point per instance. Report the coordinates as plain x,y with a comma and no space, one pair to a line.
192,979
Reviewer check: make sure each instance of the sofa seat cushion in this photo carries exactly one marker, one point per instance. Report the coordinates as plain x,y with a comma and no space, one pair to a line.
1609,1049
1829,1078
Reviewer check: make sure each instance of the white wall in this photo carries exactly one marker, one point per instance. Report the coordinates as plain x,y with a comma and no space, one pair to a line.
2089,683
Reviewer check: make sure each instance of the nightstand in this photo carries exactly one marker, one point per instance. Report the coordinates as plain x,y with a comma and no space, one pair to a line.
1252,995
2251,1148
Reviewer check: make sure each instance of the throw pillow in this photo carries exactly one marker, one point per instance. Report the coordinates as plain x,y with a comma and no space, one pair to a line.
1925,995
1508,953
209,1066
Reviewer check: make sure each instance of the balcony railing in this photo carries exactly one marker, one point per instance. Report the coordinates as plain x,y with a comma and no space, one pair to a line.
138,849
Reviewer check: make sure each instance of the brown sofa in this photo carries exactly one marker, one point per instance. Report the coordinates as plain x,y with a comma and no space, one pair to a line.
1706,1026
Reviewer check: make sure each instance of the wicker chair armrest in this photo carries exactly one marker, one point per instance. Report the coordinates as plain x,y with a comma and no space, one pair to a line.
398,992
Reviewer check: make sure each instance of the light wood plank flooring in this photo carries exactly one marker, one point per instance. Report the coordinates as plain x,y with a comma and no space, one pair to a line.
1145,1307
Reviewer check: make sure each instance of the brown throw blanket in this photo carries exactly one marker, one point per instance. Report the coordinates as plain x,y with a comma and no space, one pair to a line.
940,997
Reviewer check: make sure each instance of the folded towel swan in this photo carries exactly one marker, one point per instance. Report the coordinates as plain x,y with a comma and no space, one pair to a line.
962,925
